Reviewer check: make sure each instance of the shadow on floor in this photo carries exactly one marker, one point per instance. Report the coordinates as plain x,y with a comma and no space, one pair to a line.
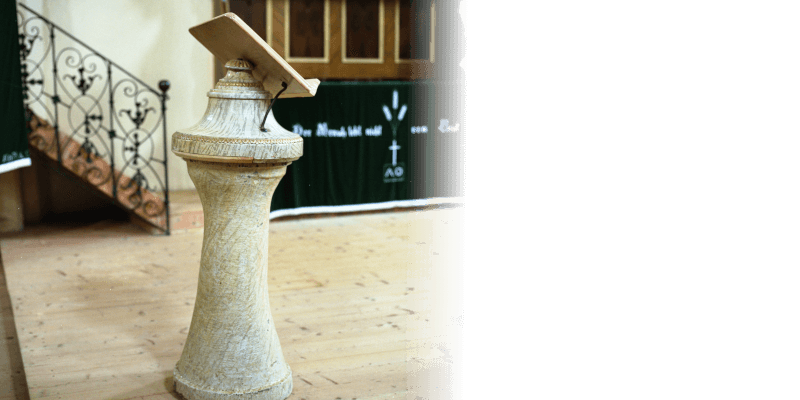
13,385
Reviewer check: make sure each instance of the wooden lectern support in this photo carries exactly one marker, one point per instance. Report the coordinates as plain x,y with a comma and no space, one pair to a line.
236,158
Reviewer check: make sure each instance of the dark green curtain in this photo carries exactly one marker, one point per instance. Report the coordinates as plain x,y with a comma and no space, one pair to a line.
366,142
13,139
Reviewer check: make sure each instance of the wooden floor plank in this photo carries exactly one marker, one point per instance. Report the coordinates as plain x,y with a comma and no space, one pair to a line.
102,311
13,385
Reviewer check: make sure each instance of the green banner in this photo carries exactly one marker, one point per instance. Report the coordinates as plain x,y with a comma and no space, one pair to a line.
367,142
13,139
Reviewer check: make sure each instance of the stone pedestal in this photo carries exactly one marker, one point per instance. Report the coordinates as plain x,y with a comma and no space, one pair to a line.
232,350
232,346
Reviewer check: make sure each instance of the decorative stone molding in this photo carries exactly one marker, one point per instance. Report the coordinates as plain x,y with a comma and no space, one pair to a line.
231,126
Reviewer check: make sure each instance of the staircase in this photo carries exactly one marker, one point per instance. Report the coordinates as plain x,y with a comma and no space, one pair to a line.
93,120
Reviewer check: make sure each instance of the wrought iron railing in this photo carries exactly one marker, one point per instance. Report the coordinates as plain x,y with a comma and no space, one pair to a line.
94,118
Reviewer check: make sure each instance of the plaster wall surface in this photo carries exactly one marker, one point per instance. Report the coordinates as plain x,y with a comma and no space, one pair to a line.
149,39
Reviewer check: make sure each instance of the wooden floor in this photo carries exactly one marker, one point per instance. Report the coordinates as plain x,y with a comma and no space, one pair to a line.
366,306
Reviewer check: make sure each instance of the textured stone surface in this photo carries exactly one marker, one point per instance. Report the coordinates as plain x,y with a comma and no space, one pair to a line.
231,126
232,346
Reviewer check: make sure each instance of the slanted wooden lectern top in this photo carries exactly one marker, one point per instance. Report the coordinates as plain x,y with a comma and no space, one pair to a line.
236,155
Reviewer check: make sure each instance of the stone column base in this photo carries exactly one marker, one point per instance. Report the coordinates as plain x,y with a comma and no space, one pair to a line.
278,391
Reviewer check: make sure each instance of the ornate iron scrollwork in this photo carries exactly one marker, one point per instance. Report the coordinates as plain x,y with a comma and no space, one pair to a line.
84,83
75,98
140,116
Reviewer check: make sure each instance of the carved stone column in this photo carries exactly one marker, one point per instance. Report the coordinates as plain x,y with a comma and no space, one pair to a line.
232,350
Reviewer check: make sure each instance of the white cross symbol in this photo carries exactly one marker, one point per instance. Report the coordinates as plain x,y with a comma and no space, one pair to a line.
394,147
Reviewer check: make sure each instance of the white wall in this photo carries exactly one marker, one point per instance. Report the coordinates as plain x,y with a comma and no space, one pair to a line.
150,39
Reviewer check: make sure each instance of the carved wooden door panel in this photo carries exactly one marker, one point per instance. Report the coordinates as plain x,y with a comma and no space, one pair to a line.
345,39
